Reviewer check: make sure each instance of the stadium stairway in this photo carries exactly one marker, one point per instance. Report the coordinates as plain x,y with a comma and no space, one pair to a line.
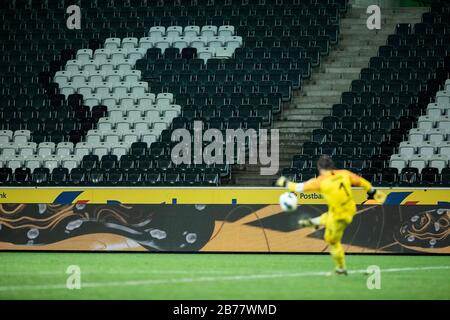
305,111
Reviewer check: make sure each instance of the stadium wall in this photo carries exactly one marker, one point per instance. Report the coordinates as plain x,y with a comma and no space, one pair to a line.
214,220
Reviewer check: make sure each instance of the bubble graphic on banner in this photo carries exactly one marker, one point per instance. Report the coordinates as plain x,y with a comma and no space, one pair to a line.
33,233
191,237
158,234
42,207
72,225
200,207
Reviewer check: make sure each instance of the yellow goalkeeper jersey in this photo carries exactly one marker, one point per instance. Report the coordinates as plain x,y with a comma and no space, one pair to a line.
336,188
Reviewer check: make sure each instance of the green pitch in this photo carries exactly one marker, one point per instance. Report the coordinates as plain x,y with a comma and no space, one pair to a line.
219,276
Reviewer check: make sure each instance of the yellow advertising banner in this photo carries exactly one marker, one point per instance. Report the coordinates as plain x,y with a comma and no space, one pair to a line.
222,195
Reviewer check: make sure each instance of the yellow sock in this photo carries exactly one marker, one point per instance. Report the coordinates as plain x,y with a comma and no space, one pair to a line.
337,252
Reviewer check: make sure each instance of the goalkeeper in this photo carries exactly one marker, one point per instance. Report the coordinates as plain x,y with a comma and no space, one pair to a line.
336,187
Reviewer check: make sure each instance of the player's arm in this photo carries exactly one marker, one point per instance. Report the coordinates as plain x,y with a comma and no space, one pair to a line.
308,186
372,193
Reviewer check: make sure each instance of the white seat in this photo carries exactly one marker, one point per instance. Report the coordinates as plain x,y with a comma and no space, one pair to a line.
148,138
147,100
444,148
27,150
21,137
93,138
444,123
209,31
82,149
164,98
417,136
181,43
397,161
418,161
33,163
436,136
71,162
85,89
112,137
118,55
9,149
434,112
112,43
127,102
106,66
119,150
157,32
216,42
15,162
227,31
79,77
96,77
136,53
45,148
114,76
130,137
163,43
134,114
67,89
73,66
174,31
199,42
425,123
159,126
129,43
102,55
406,149
62,77
100,150
191,31
224,53
90,66
146,42
110,100
443,98
132,76
91,99
84,54
139,88
121,89
439,161
123,125
205,53
64,149
103,89
426,149
51,162
115,113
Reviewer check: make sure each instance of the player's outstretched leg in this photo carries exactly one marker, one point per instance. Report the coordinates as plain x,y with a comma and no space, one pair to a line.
337,252
314,222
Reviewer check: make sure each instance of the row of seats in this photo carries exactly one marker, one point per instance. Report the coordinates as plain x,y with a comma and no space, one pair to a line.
406,177
133,177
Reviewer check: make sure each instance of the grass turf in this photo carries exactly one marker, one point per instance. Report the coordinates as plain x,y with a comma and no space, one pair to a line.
218,276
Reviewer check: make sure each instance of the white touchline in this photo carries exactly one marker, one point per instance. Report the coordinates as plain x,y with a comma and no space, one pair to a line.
245,277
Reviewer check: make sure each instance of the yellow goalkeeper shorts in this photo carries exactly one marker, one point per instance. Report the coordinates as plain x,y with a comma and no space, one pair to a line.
334,228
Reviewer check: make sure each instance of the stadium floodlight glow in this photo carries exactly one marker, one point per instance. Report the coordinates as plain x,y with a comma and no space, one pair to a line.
212,147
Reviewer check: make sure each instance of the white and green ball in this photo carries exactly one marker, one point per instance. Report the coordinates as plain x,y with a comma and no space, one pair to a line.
288,201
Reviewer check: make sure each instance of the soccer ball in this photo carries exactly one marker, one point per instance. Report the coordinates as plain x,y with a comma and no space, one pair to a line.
288,201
